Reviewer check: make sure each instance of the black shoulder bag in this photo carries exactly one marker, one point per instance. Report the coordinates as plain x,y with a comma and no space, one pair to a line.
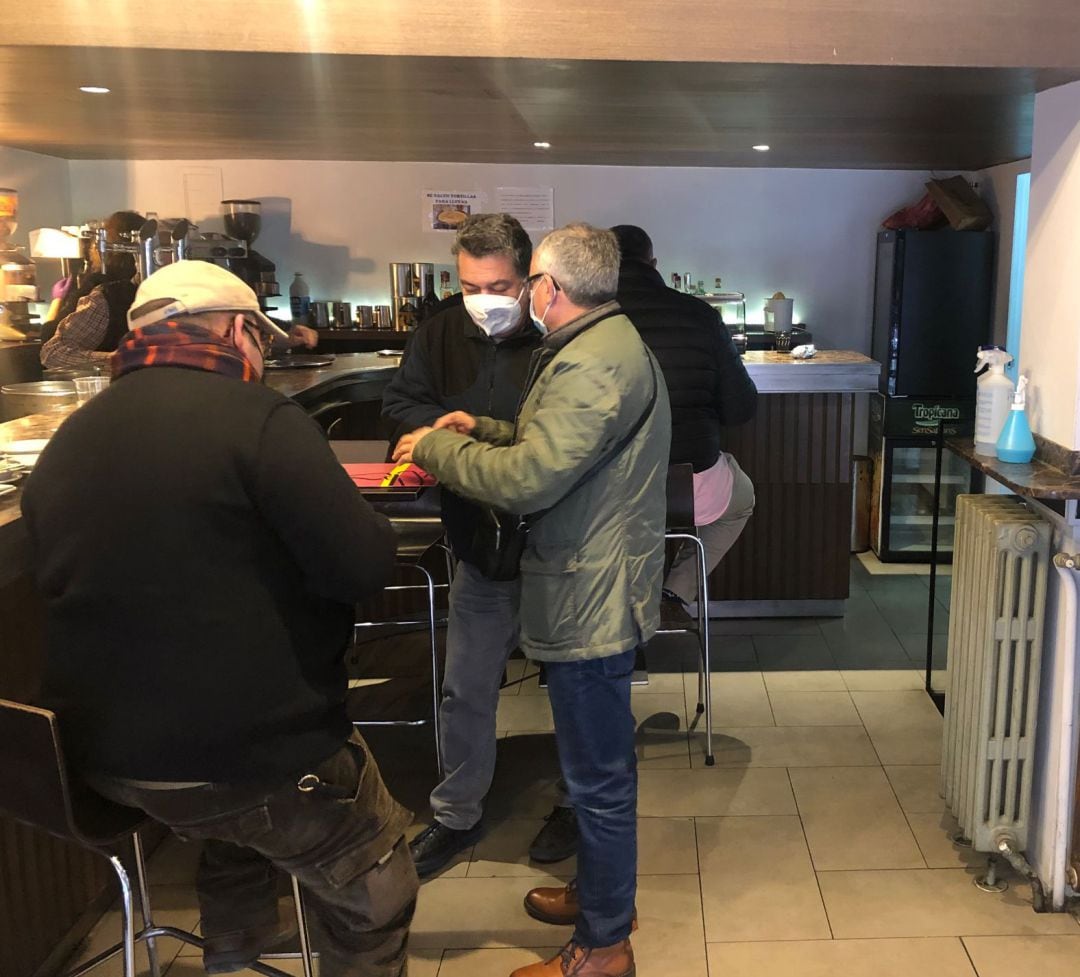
500,537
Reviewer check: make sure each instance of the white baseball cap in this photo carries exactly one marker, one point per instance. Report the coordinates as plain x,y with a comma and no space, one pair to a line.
198,286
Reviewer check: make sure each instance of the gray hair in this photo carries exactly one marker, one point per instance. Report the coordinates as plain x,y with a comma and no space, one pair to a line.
482,235
584,261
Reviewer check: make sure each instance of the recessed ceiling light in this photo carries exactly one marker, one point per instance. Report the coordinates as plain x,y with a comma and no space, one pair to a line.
761,147
542,145
94,90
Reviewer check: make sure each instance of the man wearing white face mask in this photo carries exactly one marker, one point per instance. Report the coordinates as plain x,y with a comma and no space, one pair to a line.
472,354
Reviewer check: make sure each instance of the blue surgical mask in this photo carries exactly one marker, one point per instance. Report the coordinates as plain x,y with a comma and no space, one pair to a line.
538,321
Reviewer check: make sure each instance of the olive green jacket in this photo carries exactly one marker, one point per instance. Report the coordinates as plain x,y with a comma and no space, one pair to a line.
592,569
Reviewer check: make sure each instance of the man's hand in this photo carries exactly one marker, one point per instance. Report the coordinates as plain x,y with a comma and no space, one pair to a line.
457,421
303,336
403,453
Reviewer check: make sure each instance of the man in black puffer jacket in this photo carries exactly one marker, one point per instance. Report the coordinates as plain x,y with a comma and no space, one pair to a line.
709,389
473,354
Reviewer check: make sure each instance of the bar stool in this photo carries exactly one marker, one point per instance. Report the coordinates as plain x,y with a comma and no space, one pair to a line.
416,537
37,790
681,528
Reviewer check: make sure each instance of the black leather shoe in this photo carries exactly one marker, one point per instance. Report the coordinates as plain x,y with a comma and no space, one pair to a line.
674,615
558,839
437,844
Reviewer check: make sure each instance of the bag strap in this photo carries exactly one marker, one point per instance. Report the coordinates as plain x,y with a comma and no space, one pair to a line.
613,452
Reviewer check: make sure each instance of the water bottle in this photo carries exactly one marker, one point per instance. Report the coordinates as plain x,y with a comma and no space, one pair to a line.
299,298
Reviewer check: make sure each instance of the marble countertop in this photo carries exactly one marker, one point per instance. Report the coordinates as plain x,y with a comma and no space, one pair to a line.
346,368
829,371
1035,480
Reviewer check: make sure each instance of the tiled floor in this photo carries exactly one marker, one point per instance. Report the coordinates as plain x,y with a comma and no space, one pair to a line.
817,846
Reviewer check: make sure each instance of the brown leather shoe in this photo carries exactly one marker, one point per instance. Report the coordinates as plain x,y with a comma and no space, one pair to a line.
574,960
558,906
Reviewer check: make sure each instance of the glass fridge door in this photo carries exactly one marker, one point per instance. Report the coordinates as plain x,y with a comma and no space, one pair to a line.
910,502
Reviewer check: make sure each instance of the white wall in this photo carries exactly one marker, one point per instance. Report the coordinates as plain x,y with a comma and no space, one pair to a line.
44,199
1050,341
997,186
1050,355
809,233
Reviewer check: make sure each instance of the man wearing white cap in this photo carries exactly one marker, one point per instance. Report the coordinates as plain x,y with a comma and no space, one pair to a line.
200,551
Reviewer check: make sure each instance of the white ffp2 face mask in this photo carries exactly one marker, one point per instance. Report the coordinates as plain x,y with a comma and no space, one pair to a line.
497,315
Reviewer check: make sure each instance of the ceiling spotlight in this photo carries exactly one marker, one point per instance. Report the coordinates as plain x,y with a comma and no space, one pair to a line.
94,90
761,148
542,145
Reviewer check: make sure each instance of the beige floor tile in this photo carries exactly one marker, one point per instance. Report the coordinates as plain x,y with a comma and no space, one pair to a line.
1009,956
714,792
479,913
175,862
491,963
852,819
504,852
191,966
173,905
918,788
757,882
666,846
815,680
670,939
660,683
515,672
790,746
842,958
738,699
931,902
935,833
883,680
521,713
814,709
661,710
905,726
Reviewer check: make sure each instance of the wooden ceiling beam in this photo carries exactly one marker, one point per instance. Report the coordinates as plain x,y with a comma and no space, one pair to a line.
967,33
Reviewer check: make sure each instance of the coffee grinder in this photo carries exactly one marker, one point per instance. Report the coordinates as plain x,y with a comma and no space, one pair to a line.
243,221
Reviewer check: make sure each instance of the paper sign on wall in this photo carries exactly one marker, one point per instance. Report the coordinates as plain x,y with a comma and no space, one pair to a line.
534,207
444,210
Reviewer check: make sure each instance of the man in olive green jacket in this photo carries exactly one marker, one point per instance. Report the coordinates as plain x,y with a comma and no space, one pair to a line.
587,458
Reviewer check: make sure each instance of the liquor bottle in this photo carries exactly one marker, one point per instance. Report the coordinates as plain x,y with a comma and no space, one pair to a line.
676,281
700,290
428,305
299,298
716,287
444,284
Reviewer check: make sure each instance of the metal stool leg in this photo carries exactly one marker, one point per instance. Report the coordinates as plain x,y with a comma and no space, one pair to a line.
703,641
144,904
301,924
436,684
128,913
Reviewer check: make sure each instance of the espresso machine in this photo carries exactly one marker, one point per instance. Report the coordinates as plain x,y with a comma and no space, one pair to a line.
18,273
160,242
412,287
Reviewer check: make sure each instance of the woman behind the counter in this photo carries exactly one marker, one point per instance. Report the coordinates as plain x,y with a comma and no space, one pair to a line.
92,315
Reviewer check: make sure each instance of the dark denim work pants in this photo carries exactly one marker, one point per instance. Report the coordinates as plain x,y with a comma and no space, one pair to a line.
594,730
343,843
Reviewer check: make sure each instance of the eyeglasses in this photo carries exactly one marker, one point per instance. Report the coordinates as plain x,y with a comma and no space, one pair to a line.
533,279
256,334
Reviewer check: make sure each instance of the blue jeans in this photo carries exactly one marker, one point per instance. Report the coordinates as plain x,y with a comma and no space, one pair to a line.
594,730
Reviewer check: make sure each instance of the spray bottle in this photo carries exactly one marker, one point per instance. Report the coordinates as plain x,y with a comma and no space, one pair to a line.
1016,444
995,392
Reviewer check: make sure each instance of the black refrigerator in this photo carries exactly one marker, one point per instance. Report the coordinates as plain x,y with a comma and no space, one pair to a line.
932,298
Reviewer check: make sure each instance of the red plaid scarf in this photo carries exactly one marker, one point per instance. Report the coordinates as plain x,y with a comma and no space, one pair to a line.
179,344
